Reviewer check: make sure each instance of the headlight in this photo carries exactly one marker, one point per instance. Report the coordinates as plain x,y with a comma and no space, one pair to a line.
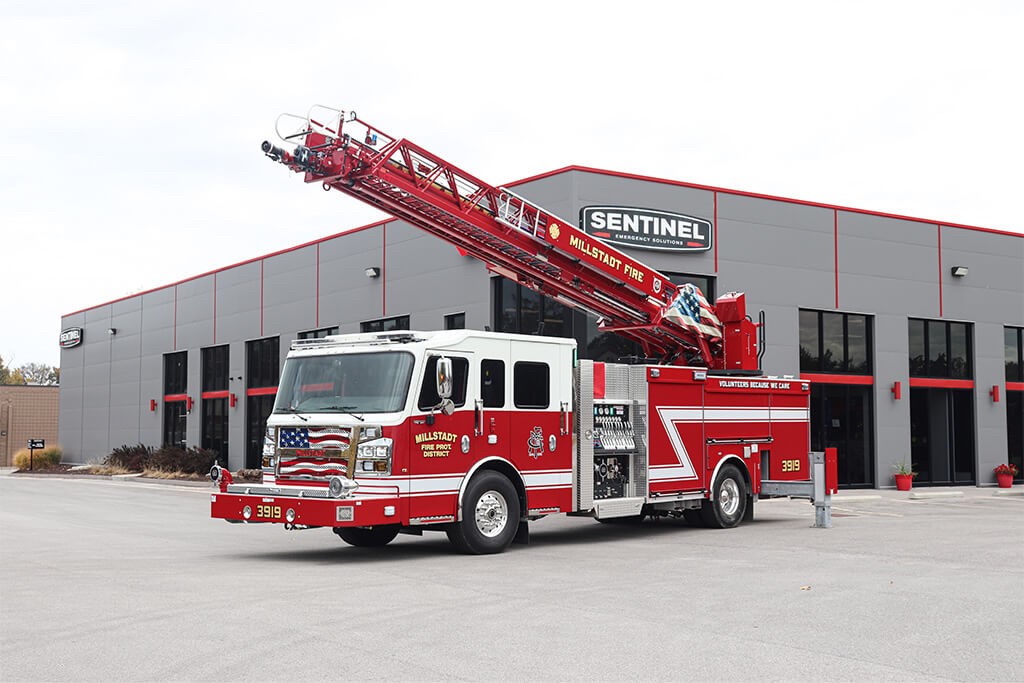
374,457
378,448
269,447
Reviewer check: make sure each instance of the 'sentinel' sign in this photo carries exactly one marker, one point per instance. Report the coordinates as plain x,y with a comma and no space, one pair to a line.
646,228
70,337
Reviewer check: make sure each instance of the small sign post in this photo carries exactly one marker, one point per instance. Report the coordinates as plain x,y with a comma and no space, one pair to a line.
33,444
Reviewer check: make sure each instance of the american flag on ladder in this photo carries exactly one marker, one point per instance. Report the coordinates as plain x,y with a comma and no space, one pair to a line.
691,310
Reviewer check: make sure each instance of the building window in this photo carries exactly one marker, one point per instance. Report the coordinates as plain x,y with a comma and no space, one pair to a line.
318,334
428,392
492,383
1014,354
455,321
175,399
215,368
939,349
531,385
400,322
215,401
521,310
262,362
1013,350
176,373
835,342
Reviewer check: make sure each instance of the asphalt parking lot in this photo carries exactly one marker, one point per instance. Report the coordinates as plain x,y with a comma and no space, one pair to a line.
108,580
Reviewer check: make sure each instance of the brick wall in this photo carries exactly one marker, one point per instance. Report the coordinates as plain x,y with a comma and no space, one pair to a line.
26,412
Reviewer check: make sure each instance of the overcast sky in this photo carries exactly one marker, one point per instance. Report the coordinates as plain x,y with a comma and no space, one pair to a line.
131,130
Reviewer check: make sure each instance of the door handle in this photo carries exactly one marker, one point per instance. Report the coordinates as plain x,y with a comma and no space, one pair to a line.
478,417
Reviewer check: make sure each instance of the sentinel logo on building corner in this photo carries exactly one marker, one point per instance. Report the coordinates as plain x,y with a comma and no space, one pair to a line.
646,228
70,337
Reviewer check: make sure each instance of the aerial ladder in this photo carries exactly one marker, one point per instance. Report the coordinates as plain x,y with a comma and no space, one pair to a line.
519,240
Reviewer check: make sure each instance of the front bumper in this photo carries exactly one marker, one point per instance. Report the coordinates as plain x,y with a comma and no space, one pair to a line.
266,504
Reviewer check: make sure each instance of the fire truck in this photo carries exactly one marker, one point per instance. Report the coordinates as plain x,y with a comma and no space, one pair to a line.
479,433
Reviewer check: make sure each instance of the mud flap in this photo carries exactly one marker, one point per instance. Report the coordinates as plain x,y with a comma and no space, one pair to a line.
522,533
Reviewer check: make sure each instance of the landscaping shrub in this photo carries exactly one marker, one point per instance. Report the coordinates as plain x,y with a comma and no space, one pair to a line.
189,460
41,460
132,458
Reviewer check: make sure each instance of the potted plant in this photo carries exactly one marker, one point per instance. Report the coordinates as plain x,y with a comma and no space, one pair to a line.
1005,475
904,476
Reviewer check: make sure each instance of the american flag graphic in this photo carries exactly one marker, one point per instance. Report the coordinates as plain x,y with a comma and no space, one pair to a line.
691,310
315,437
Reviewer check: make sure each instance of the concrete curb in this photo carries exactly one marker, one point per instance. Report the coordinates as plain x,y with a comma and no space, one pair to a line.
837,499
924,495
1008,492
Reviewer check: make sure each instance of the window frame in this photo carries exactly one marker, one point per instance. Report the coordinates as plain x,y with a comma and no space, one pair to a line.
927,325
816,364
525,381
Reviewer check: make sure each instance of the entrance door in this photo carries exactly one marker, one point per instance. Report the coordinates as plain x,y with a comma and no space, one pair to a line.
942,435
174,423
841,419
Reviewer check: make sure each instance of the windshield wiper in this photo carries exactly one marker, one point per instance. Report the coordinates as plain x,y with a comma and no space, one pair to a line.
295,411
345,409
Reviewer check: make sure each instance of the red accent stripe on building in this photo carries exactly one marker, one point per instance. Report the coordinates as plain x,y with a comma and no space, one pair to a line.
384,271
317,296
174,342
215,308
261,391
1015,386
322,386
941,383
717,231
823,378
215,394
835,250
938,229
170,398
261,297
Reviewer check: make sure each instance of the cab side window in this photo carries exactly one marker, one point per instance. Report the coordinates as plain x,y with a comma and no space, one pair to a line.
531,385
492,383
460,378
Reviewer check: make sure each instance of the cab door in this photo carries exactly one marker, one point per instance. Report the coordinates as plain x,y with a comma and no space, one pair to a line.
540,430
440,446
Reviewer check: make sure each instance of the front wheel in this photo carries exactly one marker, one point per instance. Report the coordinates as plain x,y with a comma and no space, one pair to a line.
367,536
490,515
730,500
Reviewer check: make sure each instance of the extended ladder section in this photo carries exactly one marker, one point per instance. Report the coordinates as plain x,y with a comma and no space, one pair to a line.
518,240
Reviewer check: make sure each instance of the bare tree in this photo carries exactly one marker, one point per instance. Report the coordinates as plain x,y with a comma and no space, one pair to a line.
39,373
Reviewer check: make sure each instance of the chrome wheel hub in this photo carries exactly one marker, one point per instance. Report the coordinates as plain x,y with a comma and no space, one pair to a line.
729,497
491,514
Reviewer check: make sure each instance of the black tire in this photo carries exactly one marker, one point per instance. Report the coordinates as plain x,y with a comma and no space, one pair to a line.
367,536
730,500
490,515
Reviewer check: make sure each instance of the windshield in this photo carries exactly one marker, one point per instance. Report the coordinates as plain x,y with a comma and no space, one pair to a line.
345,383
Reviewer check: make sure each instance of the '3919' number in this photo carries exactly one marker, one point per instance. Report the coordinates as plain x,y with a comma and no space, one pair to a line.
790,465
268,511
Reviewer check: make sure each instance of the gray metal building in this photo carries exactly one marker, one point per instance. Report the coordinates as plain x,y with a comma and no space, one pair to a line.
910,329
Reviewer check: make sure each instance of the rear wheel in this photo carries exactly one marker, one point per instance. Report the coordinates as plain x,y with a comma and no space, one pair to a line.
367,536
730,500
490,515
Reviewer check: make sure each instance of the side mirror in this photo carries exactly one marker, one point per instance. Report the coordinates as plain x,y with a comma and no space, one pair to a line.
444,378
